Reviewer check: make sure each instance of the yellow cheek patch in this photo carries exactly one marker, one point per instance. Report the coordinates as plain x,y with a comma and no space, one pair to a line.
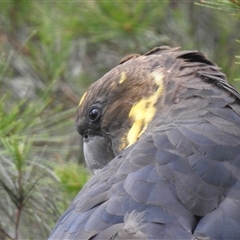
143,111
82,99
122,78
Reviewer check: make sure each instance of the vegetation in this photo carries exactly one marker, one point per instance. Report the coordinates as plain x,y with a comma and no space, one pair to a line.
50,51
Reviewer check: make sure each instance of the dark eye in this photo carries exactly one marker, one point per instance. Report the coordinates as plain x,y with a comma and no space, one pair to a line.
94,114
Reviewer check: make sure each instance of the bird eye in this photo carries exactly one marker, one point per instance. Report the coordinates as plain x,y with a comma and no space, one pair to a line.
94,114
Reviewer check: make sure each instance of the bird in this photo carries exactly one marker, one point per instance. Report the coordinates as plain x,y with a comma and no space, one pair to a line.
161,133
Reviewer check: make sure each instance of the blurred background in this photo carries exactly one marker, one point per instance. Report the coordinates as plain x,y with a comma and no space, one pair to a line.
50,52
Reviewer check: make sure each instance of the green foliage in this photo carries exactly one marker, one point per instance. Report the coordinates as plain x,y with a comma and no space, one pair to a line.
34,133
30,200
72,177
230,6
29,191
50,51
238,60
114,20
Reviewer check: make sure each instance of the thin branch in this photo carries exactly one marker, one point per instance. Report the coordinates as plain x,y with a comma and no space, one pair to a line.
18,216
6,234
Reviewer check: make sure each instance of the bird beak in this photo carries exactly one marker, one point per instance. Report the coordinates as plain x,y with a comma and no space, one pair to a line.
97,152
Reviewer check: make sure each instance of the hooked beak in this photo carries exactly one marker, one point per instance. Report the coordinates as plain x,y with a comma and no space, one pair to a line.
97,152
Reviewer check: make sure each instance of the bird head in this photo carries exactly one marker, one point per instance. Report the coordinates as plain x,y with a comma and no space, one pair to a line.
121,106
116,110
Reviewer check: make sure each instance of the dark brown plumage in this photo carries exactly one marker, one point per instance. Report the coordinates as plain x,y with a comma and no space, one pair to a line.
162,134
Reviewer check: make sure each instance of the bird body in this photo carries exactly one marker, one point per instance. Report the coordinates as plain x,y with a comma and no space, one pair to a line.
161,133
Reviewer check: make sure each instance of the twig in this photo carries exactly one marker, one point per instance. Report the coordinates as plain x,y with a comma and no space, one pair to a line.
6,234
18,216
